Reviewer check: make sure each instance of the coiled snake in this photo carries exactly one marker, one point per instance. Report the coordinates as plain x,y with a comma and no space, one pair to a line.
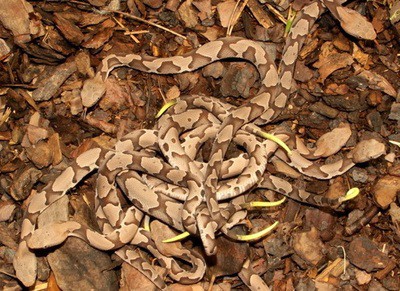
160,173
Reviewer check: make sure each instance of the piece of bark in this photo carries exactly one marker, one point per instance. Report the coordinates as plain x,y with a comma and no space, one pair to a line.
70,31
51,85
6,210
23,181
366,255
19,17
260,14
309,246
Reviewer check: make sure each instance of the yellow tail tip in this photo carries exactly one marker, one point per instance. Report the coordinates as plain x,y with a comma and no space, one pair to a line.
165,108
256,204
257,235
177,238
351,194
276,140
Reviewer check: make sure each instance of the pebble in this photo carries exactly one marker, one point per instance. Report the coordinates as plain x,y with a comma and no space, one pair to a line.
309,246
385,190
238,80
359,175
374,120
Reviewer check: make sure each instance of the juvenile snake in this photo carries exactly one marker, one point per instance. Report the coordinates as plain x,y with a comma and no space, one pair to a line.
160,171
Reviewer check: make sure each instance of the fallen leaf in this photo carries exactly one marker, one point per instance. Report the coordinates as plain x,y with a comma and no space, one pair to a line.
355,24
330,60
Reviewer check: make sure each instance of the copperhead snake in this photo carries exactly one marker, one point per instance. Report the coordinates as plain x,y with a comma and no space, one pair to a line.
160,172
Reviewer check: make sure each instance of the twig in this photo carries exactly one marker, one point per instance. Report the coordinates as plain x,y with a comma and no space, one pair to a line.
126,29
136,32
277,13
235,16
147,22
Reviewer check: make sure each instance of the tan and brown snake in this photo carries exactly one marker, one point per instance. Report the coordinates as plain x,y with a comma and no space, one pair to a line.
161,175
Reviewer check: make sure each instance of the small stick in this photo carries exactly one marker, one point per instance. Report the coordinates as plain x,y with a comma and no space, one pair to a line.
235,16
147,22
126,29
362,221
136,32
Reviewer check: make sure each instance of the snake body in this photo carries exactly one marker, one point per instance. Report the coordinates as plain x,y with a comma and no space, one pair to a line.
160,173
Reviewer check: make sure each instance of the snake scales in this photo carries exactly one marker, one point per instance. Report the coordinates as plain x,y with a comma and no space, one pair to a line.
160,173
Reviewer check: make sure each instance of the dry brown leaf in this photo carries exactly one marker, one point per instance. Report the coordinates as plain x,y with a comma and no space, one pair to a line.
355,24
225,11
188,14
330,60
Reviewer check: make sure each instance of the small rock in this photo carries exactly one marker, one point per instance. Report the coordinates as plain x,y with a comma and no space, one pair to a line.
359,175
385,190
364,254
308,246
395,112
238,80
374,120
362,277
